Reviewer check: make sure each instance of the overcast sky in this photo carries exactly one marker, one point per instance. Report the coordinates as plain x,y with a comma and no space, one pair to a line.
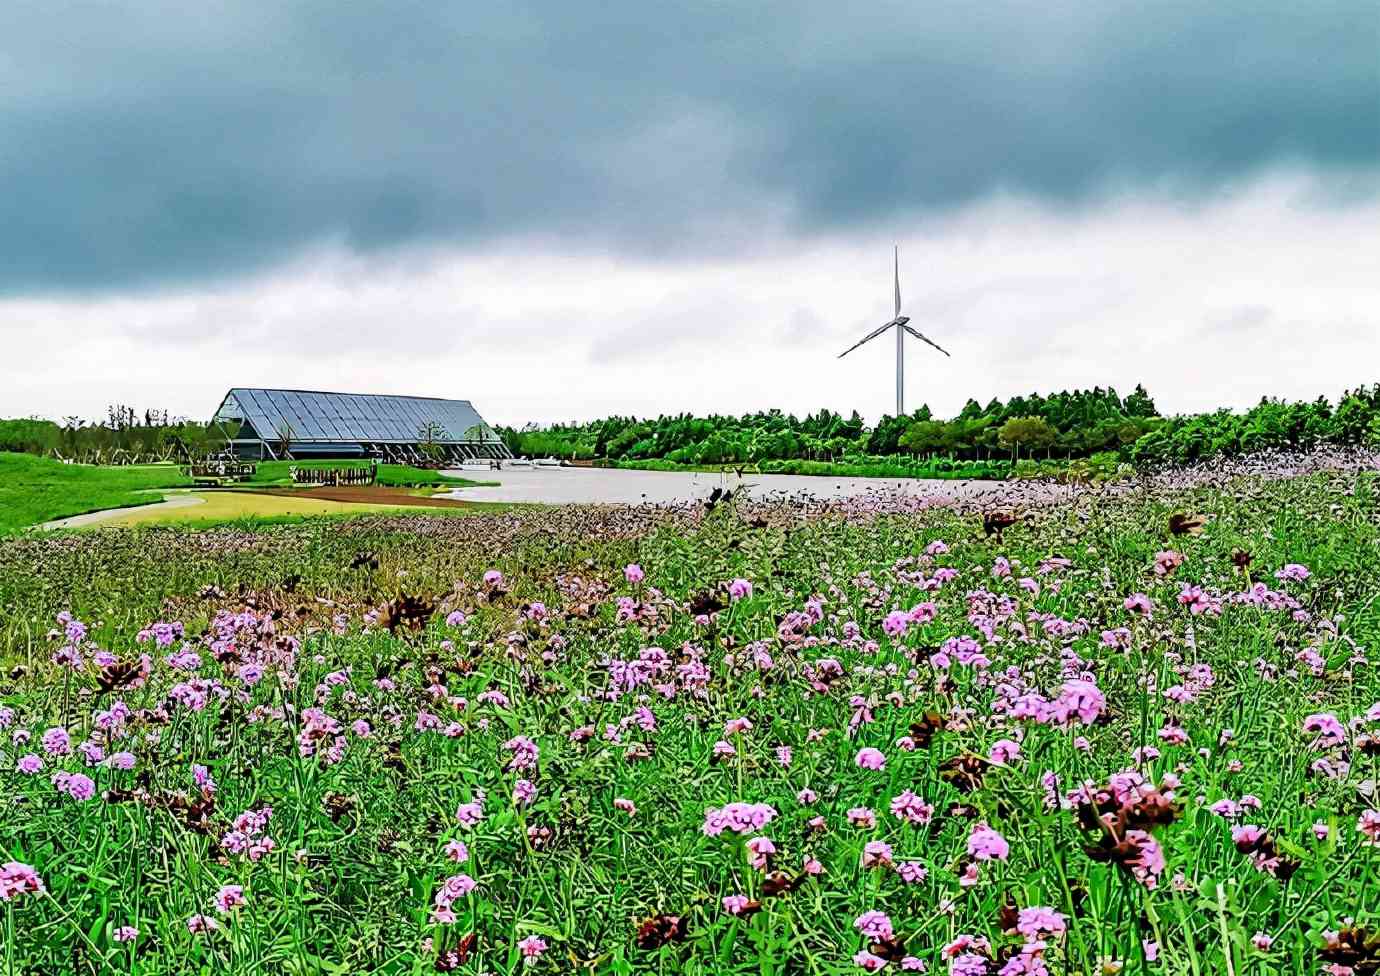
563,210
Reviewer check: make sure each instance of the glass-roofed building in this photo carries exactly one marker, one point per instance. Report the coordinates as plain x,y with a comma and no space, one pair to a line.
305,424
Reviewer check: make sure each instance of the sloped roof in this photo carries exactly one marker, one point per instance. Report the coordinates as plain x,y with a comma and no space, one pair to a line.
313,416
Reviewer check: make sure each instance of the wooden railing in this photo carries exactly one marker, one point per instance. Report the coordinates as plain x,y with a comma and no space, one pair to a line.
219,471
333,477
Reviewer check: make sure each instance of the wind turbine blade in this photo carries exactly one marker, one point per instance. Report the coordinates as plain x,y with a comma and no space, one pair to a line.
867,338
898,280
926,341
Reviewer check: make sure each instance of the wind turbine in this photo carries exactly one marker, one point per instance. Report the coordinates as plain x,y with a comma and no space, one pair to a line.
901,322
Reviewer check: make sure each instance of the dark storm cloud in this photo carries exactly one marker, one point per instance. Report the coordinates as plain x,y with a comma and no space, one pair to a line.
147,143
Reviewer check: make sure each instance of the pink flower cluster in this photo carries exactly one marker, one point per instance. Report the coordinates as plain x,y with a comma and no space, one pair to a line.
741,818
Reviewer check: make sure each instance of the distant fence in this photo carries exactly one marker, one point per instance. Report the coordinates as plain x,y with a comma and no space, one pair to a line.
332,477
220,471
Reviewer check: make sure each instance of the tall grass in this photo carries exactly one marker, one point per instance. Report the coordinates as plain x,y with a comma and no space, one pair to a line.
1003,684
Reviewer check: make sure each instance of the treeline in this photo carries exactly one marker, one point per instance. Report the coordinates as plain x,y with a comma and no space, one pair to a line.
1032,434
125,436
1098,425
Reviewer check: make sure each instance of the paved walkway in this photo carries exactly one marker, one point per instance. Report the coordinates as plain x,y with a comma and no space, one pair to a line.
92,518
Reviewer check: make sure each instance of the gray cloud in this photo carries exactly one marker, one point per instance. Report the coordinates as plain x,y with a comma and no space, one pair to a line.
1242,319
149,143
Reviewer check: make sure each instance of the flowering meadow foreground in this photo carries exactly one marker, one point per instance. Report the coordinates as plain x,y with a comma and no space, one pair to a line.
1132,731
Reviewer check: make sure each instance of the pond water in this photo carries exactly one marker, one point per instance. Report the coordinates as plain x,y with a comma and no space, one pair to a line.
559,486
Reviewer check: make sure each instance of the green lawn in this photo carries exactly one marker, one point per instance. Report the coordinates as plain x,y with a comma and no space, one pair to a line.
34,489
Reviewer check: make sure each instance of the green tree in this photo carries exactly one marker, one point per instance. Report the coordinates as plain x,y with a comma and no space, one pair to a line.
1139,404
1028,432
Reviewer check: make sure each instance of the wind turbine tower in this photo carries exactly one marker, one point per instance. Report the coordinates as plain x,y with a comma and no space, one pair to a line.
902,325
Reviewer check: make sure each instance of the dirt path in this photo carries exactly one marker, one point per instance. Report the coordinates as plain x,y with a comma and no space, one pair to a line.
365,495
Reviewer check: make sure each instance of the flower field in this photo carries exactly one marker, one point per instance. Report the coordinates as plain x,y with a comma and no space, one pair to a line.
1066,731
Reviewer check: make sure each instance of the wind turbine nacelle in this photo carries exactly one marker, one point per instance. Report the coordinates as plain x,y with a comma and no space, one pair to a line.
901,319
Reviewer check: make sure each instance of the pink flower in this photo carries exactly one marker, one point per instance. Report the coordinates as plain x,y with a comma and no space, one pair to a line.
741,818
29,764
1005,750
985,844
1117,638
1080,699
454,887
19,879
524,792
229,898
1139,603
1038,921
469,814
862,817
199,924
874,925
493,578
912,872
968,964
525,753
1195,599
56,742
735,725
735,904
869,758
627,806
1227,809
758,850
202,777
79,786
633,573
1327,728
457,851
532,947
962,944
911,808
1167,561
126,933
1262,941
869,962
1148,863
876,854
740,589
922,613
1369,825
